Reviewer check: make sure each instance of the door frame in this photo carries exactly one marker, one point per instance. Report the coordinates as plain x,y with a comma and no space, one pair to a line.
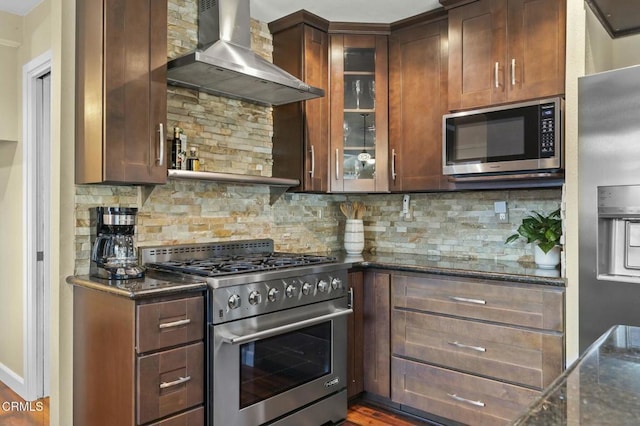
37,303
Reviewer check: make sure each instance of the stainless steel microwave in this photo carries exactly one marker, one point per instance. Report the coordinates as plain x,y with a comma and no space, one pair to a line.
521,138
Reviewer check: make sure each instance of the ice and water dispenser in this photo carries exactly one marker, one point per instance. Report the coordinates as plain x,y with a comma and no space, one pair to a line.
619,233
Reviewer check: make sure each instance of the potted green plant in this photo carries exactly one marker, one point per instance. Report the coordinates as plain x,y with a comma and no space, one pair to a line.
544,231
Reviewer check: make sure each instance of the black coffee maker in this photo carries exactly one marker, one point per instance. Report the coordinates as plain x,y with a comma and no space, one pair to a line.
113,255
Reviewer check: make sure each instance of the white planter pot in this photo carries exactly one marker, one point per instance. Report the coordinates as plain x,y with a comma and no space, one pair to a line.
354,236
548,260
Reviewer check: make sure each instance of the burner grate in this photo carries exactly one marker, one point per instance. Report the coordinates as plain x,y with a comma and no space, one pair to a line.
238,264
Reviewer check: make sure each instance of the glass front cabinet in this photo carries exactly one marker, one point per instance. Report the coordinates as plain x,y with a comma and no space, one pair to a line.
359,113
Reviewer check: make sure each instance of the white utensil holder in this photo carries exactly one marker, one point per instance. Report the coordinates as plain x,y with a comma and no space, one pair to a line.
354,236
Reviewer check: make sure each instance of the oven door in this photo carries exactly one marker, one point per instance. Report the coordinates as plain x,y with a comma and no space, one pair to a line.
272,365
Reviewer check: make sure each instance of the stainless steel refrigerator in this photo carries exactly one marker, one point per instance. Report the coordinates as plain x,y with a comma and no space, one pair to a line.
609,201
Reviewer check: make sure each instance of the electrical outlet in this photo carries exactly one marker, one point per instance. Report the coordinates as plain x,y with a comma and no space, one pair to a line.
501,211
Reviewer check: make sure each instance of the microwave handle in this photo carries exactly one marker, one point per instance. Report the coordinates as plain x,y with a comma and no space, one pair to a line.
514,176
238,340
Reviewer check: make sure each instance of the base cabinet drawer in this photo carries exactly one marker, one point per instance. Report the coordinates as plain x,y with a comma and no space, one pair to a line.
510,303
457,396
169,323
521,356
190,418
170,381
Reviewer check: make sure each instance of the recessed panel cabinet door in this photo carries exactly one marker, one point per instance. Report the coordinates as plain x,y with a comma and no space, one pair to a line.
536,54
121,91
477,37
417,100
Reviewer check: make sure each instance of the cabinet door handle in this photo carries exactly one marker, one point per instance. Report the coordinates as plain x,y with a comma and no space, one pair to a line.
393,164
313,162
174,323
162,142
513,71
496,70
337,165
465,400
180,381
463,346
467,300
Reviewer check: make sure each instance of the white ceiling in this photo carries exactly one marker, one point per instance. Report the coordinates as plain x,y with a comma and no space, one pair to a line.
18,7
384,11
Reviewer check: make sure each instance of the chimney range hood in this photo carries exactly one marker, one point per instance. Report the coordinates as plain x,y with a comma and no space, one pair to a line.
224,64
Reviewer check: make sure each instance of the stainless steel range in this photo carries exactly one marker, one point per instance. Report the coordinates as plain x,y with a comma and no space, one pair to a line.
277,331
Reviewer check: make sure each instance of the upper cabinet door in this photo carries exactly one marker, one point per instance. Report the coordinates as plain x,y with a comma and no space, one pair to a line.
359,113
505,51
477,37
121,91
536,53
301,129
417,100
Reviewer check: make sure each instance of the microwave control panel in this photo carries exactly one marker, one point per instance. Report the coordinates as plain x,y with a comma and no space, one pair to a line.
547,130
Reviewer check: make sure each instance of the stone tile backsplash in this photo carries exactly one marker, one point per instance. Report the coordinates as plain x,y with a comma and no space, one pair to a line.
448,224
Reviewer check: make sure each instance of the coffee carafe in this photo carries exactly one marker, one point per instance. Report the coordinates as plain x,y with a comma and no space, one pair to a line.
113,255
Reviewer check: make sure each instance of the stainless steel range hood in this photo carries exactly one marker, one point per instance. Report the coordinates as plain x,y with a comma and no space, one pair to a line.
225,65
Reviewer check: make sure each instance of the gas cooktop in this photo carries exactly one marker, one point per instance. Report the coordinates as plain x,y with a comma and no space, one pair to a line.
235,264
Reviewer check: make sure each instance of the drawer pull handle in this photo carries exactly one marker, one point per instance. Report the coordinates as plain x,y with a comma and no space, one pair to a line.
467,300
175,323
463,346
181,380
465,400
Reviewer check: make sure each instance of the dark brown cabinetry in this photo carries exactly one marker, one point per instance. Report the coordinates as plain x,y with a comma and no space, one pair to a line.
137,362
355,336
121,91
359,113
417,99
377,342
301,129
505,51
474,351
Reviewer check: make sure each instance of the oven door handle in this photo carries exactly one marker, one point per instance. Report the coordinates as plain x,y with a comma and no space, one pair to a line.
238,340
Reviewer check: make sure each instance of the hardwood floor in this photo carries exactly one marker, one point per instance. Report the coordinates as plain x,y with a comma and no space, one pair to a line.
14,411
361,414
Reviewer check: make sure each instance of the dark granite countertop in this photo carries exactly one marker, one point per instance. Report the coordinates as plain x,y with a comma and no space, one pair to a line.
601,388
155,284
152,285
481,268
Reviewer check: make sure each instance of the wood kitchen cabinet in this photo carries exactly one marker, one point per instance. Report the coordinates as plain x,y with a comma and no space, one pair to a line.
121,91
301,129
355,336
503,51
359,112
417,99
377,341
471,350
138,362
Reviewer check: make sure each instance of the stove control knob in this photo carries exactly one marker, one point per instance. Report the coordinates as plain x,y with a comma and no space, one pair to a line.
291,290
234,301
306,288
255,297
336,283
273,294
323,286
